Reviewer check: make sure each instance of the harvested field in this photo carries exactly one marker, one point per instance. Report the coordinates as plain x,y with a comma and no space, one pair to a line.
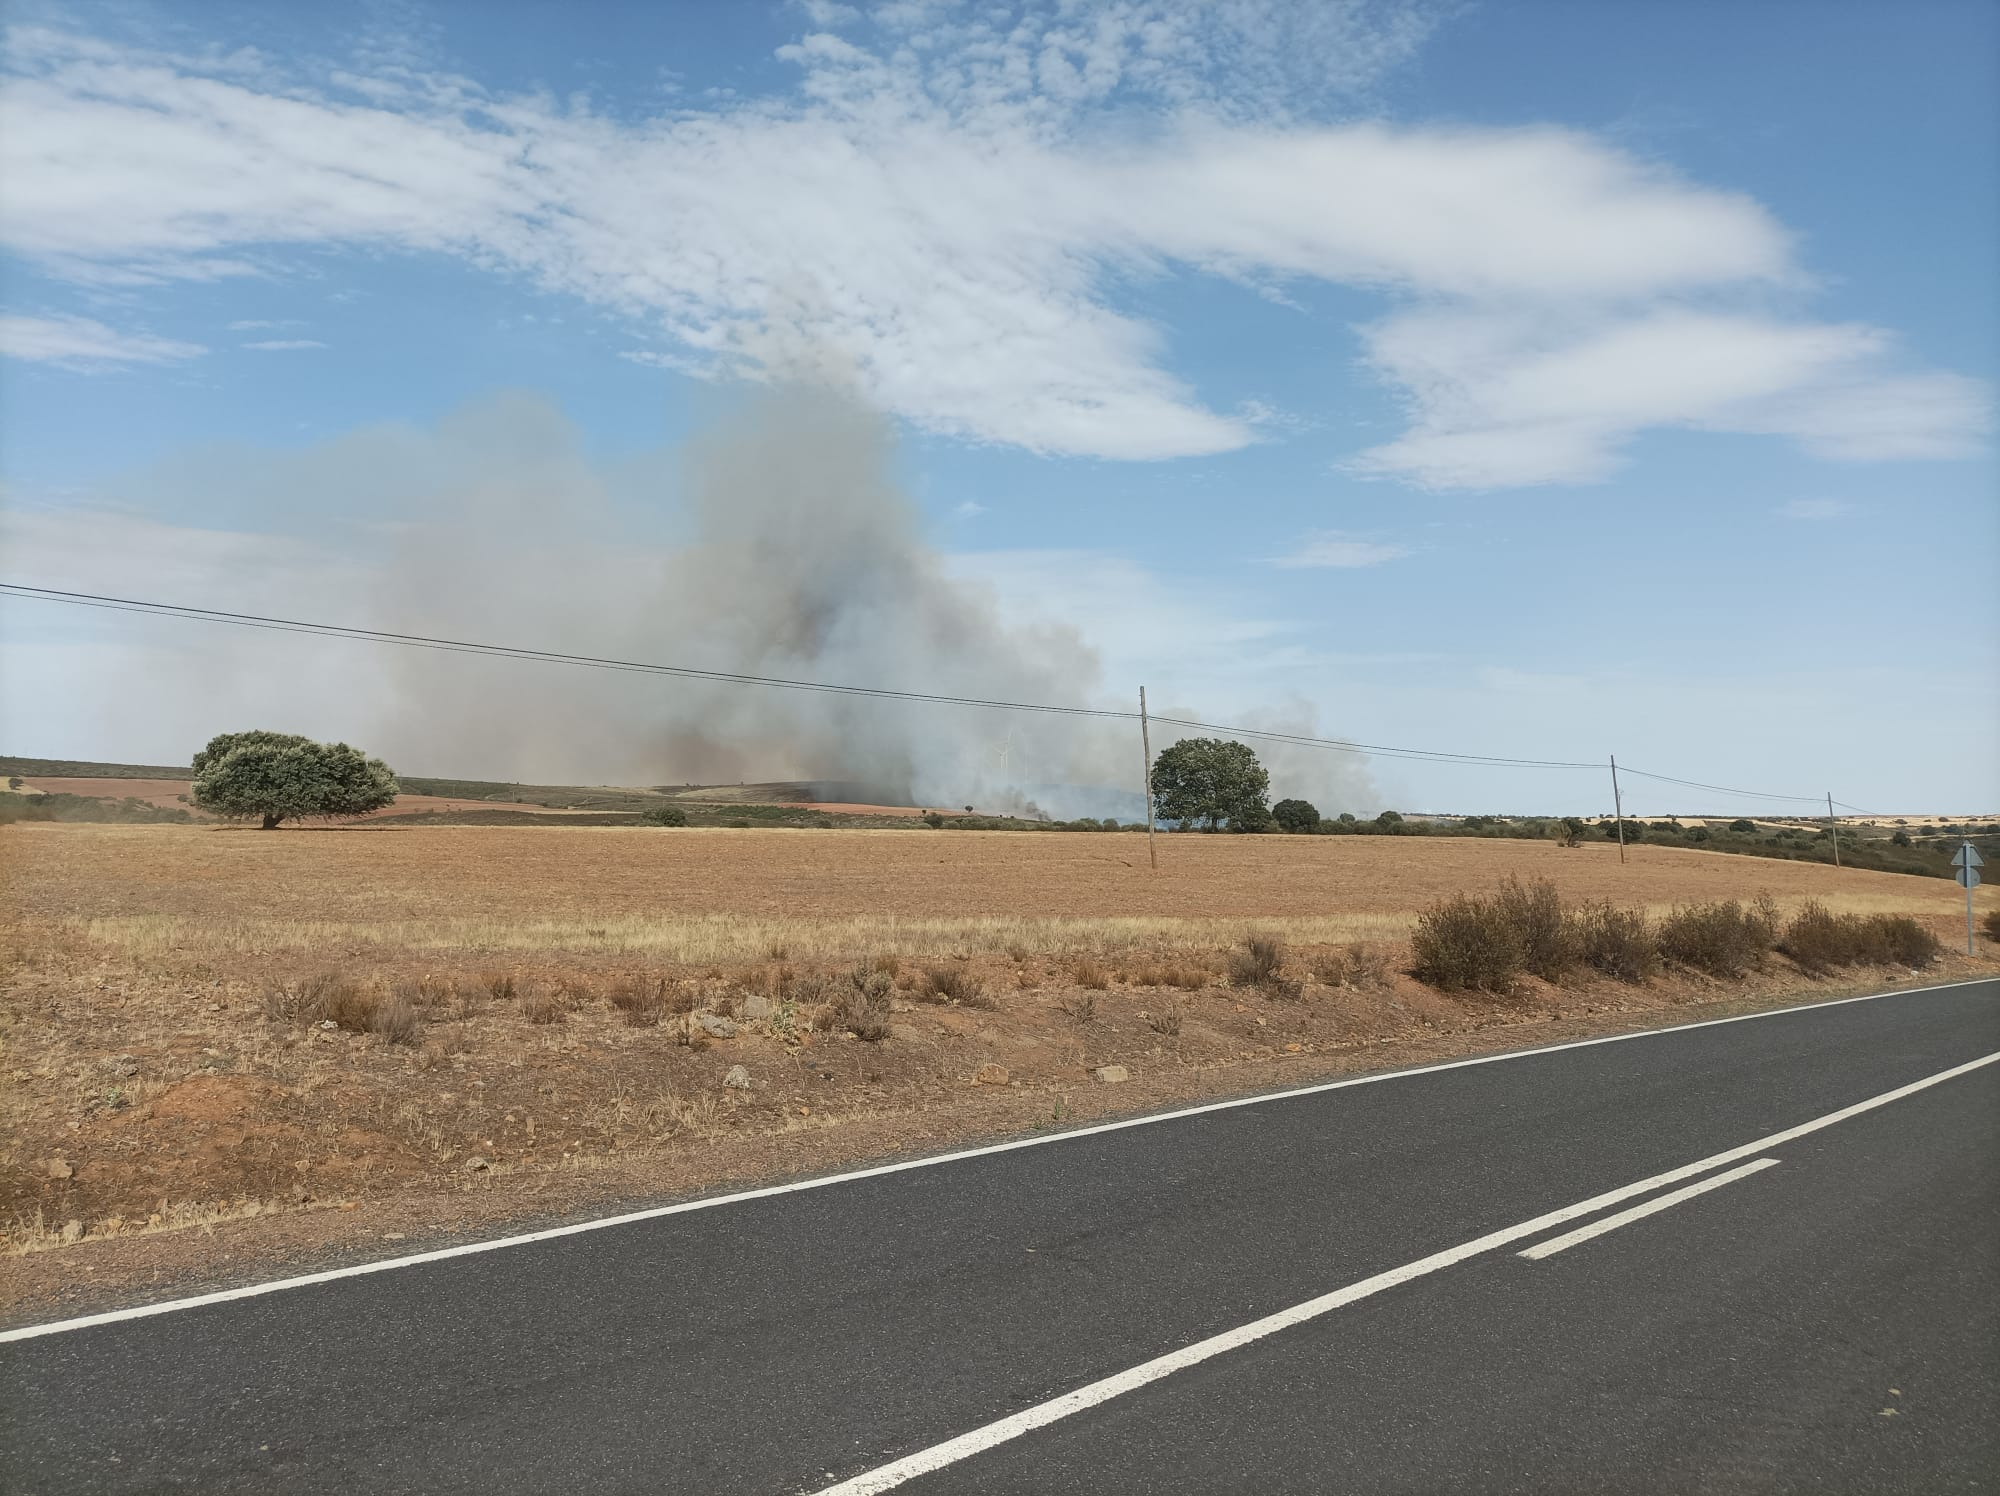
315,1033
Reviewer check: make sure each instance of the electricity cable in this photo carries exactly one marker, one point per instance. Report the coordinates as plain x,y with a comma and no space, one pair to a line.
732,677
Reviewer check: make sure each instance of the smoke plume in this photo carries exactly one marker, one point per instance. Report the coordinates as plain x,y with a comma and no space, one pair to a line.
778,543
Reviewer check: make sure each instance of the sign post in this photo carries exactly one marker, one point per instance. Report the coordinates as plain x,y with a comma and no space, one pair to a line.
1968,862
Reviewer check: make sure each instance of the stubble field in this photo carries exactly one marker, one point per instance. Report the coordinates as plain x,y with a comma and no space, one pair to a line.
531,1021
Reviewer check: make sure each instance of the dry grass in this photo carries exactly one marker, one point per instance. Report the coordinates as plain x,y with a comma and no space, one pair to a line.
731,896
533,998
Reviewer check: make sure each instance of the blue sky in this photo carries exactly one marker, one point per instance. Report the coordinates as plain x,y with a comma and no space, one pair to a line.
1545,380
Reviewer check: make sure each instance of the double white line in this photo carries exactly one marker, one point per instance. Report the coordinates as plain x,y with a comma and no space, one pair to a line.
938,1456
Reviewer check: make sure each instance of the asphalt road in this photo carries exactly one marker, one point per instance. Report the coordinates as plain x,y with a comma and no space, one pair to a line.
1824,1323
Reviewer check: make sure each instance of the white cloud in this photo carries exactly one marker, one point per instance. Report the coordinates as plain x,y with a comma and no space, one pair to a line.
1331,548
81,344
284,345
1500,398
968,509
944,219
260,324
1815,509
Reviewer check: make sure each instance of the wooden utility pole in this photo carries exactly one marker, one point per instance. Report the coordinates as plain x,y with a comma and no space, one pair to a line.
1146,780
1617,807
1833,821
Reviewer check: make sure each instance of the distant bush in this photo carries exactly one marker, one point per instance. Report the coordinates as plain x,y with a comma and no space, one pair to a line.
663,815
1991,924
1723,939
1572,832
1745,827
1900,839
1296,816
130,810
1466,945
1634,830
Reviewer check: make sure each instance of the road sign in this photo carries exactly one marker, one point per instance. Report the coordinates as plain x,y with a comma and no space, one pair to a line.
1968,862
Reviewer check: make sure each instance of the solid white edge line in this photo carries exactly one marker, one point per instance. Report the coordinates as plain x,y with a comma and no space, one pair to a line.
1569,1239
654,1213
950,1452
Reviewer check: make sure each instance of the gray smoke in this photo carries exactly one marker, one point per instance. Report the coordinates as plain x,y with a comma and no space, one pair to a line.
792,553
777,544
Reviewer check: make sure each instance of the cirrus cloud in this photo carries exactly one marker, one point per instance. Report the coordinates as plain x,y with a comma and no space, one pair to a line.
85,345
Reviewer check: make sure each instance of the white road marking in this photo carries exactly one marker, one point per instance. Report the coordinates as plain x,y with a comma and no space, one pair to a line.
1640,1212
604,1223
938,1456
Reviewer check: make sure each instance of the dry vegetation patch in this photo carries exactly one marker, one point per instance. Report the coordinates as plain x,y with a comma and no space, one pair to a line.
204,1025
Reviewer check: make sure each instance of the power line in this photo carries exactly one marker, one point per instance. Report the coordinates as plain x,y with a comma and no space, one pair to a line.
1343,745
732,677
511,652
1720,789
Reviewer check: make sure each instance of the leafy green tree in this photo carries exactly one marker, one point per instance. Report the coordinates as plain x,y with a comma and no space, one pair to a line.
1296,815
663,815
279,776
1209,782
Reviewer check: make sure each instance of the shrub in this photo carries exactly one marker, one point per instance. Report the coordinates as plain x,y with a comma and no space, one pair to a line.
1819,940
1907,942
1087,973
499,985
544,1007
1167,1023
396,1020
1746,827
1082,1007
1257,964
325,999
1635,831
664,815
868,1025
642,1003
1295,816
1723,939
1900,839
1535,914
1350,966
1572,831
1465,945
951,984
1991,924
1617,942
1183,975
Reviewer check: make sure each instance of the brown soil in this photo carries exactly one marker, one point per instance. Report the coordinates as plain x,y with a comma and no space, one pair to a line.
154,1088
